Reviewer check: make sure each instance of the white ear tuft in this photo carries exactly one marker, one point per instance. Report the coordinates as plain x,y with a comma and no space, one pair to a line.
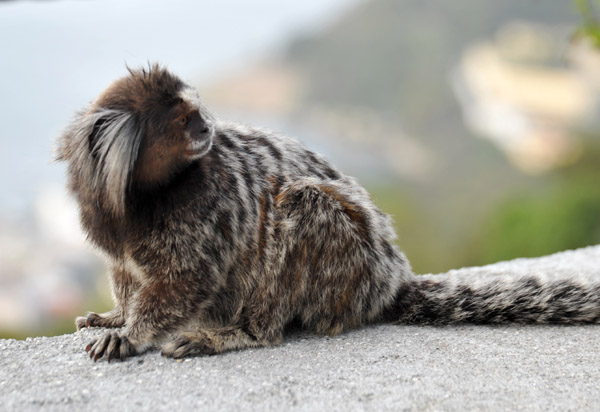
102,144
115,148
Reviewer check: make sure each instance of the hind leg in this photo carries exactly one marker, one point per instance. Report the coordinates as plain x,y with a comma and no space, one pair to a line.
211,341
339,268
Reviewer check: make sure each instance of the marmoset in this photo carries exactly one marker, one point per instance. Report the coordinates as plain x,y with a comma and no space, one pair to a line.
220,235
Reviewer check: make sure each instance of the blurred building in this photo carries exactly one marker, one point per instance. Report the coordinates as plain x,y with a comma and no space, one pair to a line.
527,90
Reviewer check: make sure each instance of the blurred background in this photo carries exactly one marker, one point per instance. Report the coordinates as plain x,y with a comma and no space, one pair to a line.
474,123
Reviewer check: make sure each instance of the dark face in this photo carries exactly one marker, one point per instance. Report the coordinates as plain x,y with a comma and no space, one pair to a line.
180,136
176,128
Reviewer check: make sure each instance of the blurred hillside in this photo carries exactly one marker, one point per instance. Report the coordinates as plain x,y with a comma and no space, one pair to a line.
384,82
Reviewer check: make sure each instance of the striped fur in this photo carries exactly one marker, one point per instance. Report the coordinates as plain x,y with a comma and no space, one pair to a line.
221,235
497,299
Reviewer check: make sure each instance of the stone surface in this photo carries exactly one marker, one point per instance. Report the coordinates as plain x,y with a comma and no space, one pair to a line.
375,368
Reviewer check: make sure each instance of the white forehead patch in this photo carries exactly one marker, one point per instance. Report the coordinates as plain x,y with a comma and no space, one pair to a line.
190,96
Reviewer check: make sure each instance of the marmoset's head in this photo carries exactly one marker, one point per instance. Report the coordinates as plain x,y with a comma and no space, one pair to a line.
141,130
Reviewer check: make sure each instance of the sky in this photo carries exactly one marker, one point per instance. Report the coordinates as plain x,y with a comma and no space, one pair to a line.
56,56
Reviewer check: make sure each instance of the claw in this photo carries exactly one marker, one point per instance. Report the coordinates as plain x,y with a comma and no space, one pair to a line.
125,348
113,346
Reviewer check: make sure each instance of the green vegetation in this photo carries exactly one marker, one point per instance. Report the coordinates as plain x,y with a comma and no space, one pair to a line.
562,217
590,27
563,213
553,213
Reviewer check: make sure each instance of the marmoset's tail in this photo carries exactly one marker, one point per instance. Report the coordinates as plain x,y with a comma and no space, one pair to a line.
502,298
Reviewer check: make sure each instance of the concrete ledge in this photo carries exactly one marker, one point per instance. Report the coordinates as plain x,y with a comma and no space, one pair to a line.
382,367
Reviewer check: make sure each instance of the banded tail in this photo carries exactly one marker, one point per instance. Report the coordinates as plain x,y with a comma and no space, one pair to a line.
552,289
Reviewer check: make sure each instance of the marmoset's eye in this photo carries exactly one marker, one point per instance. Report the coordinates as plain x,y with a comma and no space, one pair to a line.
183,121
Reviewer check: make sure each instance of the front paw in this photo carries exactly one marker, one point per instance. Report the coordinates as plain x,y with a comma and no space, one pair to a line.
111,345
89,321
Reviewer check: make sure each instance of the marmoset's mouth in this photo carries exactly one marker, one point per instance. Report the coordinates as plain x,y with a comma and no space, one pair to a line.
197,149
